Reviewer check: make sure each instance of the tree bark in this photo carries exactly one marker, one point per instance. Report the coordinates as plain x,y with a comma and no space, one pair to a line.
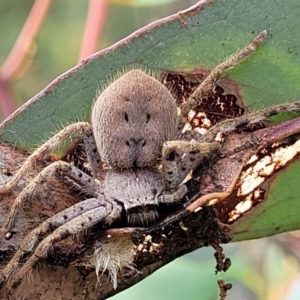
179,231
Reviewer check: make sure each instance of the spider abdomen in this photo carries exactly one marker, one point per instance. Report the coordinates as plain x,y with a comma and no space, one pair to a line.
131,120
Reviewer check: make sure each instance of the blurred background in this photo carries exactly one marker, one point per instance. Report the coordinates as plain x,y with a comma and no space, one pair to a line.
42,39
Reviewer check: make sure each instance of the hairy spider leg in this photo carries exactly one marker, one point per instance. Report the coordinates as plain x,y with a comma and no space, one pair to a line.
181,157
229,125
33,238
209,82
71,228
59,167
42,152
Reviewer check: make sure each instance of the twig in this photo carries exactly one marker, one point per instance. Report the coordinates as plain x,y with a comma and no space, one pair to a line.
93,28
7,106
28,33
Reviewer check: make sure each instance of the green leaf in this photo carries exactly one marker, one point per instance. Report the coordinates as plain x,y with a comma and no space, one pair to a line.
279,211
201,36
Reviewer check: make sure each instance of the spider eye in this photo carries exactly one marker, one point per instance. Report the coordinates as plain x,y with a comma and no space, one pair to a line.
126,117
147,118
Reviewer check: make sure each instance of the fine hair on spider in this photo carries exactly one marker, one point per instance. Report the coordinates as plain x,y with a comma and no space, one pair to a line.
136,130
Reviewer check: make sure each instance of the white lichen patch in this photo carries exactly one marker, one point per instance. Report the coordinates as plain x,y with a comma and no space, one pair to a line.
197,121
113,255
147,238
206,122
220,137
265,167
147,245
240,209
258,172
245,205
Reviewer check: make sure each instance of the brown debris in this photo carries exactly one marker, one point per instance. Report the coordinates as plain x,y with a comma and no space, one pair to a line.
223,287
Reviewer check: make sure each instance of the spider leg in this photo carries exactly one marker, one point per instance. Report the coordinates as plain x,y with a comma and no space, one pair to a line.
180,157
115,212
59,167
251,118
71,228
43,151
209,82
92,153
231,125
34,237
173,197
